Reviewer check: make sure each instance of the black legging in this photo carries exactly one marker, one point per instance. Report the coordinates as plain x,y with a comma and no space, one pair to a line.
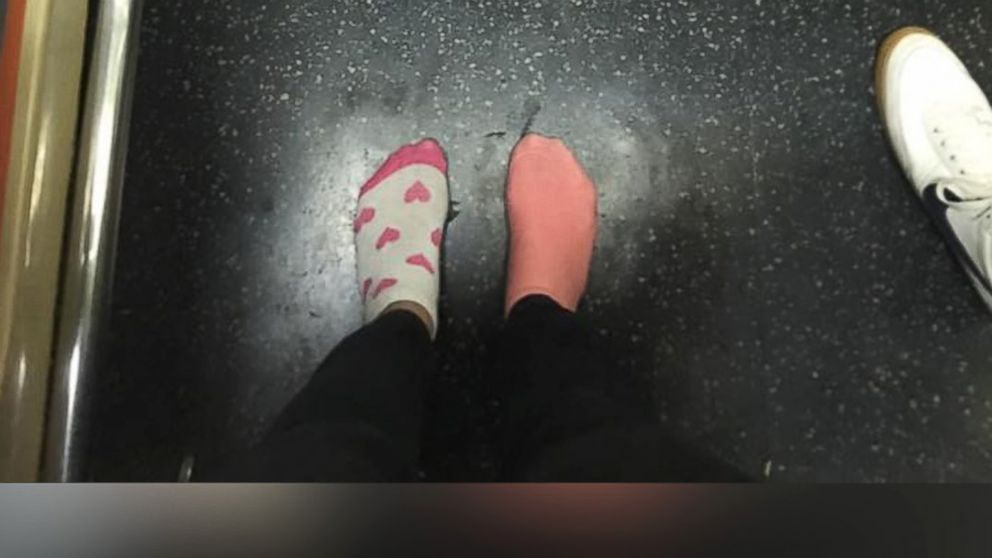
568,416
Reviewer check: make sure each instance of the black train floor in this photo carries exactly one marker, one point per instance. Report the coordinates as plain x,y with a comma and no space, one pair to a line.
761,258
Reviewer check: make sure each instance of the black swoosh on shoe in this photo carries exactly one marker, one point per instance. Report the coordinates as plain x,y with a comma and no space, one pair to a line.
938,211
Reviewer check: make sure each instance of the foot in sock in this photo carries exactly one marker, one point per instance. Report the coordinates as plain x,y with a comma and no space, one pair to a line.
398,226
551,206
940,125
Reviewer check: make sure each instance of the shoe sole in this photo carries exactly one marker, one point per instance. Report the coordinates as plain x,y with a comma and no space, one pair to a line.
885,51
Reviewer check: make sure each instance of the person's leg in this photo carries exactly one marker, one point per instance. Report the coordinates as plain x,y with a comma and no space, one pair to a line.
568,416
359,417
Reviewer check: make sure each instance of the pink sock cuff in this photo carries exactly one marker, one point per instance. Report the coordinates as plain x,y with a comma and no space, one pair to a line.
424,152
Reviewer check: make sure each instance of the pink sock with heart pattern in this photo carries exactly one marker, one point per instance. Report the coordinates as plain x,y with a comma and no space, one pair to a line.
398,230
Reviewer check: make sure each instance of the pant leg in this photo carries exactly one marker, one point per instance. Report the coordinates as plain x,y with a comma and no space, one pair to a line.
358,419
569,417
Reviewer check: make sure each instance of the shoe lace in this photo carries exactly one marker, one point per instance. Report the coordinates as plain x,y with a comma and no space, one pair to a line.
976,198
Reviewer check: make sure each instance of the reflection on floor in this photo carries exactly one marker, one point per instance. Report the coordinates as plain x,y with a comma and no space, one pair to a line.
760,258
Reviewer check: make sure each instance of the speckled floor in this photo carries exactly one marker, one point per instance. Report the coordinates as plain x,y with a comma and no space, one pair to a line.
760,256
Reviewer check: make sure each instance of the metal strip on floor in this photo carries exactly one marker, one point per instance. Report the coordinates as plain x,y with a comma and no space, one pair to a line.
88,265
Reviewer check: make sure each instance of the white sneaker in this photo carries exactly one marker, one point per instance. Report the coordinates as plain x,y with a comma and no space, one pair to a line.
940,125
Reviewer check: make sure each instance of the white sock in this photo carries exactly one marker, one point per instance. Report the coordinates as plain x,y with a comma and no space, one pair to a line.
398,230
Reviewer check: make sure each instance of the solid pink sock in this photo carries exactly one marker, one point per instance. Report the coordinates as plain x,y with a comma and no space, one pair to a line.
551,204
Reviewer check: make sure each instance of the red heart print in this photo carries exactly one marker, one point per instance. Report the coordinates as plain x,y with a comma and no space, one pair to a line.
436,237
365,288
365,216
421,261
417,193
387,236
383,285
